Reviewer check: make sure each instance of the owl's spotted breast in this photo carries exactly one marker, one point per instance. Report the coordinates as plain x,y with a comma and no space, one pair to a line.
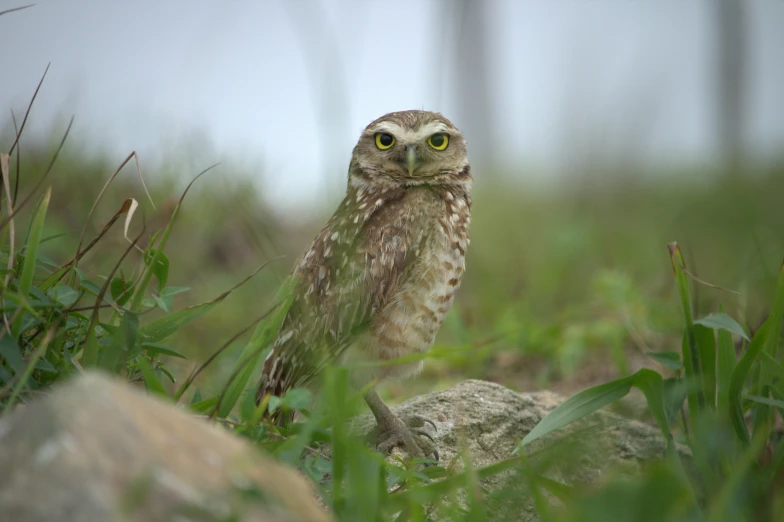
379,279
437,236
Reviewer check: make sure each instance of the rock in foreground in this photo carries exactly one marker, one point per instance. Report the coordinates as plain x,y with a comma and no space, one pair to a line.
99,450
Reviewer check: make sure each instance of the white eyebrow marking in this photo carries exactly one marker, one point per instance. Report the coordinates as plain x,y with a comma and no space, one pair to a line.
410,135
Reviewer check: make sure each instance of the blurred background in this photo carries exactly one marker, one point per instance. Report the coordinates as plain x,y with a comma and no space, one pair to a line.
598,132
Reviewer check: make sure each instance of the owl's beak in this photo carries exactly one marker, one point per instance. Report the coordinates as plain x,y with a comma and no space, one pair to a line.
412,159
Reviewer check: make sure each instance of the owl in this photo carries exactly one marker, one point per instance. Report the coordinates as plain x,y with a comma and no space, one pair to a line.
378,280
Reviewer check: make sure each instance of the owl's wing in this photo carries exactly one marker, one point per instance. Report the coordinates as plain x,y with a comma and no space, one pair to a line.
347,275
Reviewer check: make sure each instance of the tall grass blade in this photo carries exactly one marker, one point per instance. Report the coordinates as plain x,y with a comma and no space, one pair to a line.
725,365
336,380
249,363
31,256
162,328
776,370
706,344
763,414
691,362
738,380
735,481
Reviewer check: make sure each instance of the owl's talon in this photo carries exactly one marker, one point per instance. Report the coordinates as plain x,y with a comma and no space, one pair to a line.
417,421
417,443
392,431
423,433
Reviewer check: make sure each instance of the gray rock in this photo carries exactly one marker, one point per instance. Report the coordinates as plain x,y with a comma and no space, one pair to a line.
98,450
487,421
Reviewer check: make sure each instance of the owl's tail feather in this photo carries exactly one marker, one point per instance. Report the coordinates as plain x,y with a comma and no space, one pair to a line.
267,389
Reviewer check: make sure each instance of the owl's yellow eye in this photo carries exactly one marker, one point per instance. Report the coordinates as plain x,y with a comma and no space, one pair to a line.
438,141
384,141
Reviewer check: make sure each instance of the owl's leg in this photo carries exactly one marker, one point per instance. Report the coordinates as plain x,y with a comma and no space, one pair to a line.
393,431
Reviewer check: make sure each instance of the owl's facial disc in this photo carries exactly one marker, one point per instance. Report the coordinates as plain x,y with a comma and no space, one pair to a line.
409,148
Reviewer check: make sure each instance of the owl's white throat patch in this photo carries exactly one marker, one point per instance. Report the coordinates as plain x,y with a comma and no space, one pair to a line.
408,135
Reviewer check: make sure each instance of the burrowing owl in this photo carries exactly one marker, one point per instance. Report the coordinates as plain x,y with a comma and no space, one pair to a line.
378,280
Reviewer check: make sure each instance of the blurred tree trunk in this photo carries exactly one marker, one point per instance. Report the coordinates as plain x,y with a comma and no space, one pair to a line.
731,63
473,77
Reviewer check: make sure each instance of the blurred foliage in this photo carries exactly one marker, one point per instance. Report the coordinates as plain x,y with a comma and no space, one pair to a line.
566,286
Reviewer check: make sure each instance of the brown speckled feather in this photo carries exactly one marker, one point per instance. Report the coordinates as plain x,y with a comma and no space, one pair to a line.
340,287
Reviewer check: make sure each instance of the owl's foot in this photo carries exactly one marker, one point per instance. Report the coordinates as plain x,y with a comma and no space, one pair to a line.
408,433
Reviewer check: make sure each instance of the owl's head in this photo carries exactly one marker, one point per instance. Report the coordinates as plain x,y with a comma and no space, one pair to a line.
410,148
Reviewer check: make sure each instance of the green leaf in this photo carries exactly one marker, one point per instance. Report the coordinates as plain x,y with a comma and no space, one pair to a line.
121,290
11,353
196,396
90,348
154,350
675,392
593,399
45,366
167,373
57,275
274,403
63,294
162,328
204,406
46,262
248,409
174,290
578,406
123,344
151,381
31,255
158,262
764,400
722,321
4,375
163,302
651,385
90,286
671,360
297,399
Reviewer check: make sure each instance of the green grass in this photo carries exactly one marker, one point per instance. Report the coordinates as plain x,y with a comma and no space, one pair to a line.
571,280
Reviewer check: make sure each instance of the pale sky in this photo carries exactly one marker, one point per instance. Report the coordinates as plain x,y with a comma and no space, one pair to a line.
248,79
